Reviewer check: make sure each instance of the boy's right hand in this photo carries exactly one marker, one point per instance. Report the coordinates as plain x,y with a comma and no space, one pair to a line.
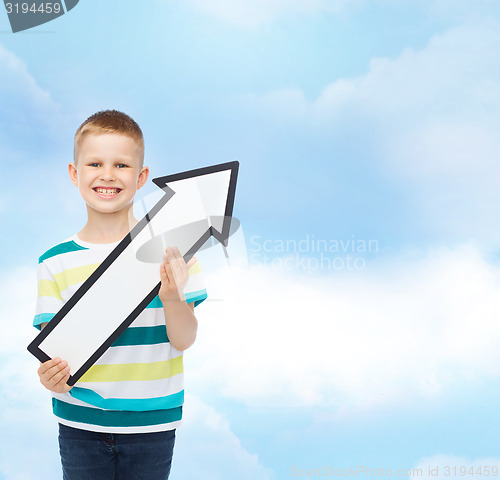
54,374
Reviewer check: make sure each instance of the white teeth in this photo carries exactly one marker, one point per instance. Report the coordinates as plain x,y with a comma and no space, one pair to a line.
107,191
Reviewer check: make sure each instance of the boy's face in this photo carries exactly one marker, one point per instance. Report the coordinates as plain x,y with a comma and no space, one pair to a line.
108,172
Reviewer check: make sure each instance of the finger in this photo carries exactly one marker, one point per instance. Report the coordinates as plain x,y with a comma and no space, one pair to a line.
177,253
169,272
67,388
51,372
178,264
48,374
179,258
174,257
185,269
56,379
61,384
191,262
48,365
163,274
167,261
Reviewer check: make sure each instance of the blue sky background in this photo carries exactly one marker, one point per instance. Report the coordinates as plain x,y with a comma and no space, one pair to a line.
352,121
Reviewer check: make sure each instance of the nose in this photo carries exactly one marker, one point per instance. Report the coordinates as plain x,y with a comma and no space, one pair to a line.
107,174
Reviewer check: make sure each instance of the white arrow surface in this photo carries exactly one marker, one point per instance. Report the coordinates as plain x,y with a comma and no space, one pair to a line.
111,295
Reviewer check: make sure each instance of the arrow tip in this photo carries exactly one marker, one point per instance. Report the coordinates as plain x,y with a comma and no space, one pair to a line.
220,224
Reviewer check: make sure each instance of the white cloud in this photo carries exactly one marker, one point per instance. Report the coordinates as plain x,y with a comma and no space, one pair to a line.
251,13
430,119
32,127
453,77
459,9
442,467
25,105
404,328
207,448
30,431
16,78
31,119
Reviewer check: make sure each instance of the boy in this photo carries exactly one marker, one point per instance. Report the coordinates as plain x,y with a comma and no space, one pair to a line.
118,421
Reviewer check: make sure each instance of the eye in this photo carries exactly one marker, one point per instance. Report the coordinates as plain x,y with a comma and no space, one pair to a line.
94,164
122,165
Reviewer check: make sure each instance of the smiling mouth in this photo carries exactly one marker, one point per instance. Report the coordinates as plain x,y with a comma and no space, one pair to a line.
108,192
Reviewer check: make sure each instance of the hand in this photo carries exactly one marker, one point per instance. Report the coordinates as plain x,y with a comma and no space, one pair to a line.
174,273
54,374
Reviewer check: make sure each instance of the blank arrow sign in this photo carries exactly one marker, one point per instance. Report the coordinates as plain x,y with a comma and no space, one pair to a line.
196,205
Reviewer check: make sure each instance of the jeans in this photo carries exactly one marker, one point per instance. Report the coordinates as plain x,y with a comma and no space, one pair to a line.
89,455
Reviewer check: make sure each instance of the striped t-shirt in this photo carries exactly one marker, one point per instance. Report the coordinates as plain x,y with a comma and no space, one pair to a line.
137,385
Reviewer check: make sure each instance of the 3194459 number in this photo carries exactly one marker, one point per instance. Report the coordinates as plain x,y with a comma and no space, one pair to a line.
48,7
480,471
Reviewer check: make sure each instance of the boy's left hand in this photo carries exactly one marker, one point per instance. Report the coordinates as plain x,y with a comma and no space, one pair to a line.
174,273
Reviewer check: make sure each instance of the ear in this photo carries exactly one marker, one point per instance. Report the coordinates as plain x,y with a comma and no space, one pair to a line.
143,176
73,173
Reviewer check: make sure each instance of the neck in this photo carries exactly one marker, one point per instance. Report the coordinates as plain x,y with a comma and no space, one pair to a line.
107,227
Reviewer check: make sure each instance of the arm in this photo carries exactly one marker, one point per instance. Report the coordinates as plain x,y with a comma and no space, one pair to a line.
179,315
